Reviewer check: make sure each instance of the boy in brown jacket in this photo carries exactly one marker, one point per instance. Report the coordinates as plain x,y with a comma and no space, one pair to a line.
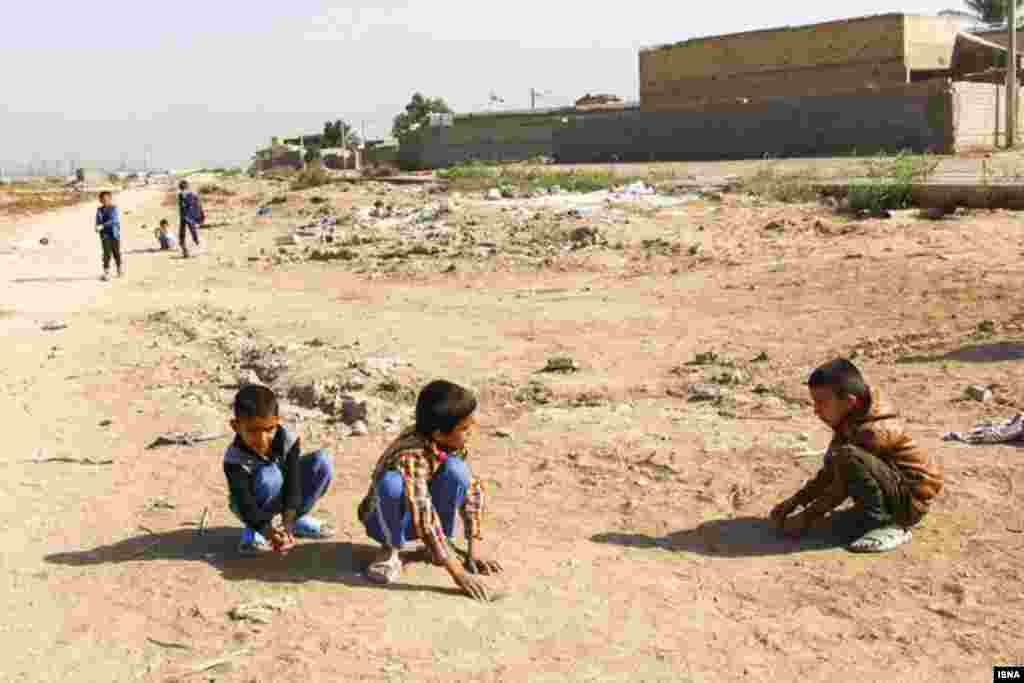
871,459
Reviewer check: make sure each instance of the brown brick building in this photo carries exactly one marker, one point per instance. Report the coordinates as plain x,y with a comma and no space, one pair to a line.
864,53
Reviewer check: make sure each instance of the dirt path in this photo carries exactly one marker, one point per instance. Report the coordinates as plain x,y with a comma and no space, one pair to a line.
630,520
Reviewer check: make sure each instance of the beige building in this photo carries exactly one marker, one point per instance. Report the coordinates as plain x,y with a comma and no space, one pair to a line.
874,52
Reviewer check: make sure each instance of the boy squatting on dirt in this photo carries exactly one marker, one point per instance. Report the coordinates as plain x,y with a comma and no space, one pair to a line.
267,476
419,485
871,459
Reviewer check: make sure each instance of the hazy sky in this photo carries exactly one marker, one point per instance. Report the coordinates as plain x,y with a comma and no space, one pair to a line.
210,81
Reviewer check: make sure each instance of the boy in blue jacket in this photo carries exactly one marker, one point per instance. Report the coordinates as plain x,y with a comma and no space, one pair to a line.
268,476
108,226
190,211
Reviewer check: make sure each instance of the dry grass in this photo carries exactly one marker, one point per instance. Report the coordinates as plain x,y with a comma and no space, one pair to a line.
774,182
20,203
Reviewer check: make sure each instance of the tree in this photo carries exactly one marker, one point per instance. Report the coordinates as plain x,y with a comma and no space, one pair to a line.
338,133
417,114
991,12
313,155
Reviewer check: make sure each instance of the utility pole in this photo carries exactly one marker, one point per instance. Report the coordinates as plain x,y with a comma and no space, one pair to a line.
533,98
1011,76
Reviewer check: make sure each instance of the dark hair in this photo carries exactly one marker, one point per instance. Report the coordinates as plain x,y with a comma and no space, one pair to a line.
255,400
441,406
183,184
164,221
842,377
105,193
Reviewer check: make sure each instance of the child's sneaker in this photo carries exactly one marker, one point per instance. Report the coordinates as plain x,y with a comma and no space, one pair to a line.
386,568
106,276
252,543
310,527
881,540
120,271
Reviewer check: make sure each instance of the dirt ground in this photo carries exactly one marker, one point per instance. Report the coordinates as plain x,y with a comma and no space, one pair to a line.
629,518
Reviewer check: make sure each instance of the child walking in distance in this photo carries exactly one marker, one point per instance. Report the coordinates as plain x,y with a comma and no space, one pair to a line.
163,235
268,476
871,459
108,226
190,211
421,483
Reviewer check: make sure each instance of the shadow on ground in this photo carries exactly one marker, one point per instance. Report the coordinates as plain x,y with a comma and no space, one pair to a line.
32,280
739,537
308,561
997,352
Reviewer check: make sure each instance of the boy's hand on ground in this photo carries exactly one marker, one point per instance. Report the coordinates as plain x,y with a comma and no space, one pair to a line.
281,540
473,587
475,564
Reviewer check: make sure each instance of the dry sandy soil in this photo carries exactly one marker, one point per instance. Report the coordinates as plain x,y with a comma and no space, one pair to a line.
629,519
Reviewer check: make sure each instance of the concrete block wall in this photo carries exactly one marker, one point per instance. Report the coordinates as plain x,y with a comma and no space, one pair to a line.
917,118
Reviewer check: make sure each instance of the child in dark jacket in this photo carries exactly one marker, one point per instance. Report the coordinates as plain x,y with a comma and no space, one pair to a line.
871,459
191,215
268,476
108,226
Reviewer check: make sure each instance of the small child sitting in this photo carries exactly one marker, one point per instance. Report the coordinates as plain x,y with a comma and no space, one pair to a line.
164,237
419,485
871,459
267,476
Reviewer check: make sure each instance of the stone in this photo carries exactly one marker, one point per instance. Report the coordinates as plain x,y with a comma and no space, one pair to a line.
494,194
44,241
978,392
561,364
379,364
732,376
353,411
704,392
502,434
775,226
935,213
248,377
360,428
356,381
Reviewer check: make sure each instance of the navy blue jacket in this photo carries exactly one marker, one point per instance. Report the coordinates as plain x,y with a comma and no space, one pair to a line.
189,208
110,218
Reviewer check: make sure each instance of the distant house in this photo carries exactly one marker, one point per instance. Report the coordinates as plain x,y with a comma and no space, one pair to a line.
279,155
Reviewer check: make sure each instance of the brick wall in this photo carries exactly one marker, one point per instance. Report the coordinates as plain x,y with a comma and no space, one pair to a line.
803,50
689,93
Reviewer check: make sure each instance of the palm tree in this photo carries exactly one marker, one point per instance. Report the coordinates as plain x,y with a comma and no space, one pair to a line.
988,12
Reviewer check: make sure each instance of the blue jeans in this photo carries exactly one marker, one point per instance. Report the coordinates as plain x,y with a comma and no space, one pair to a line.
316,470
391,523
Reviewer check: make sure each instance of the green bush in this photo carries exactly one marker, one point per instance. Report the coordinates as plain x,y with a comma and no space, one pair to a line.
314,176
